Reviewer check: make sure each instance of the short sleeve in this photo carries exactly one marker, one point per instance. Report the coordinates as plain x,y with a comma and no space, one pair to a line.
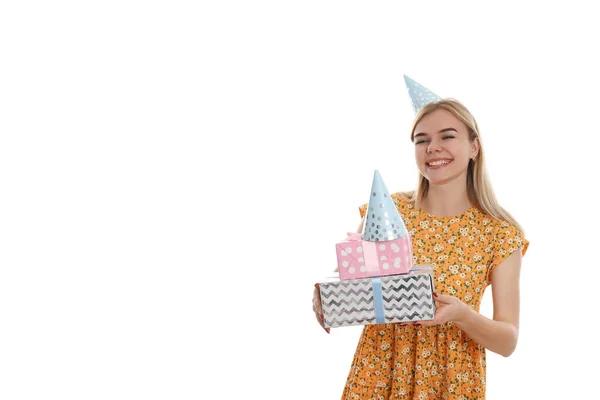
508,239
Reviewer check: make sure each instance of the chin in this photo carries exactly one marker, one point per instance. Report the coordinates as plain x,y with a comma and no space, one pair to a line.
441,180
444,178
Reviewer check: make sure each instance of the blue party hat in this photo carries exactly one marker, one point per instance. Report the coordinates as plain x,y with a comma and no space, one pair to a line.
419,94
383,220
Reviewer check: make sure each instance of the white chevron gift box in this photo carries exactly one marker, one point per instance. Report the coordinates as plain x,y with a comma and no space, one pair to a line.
378,300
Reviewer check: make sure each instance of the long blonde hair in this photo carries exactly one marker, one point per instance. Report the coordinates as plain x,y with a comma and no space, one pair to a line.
479,188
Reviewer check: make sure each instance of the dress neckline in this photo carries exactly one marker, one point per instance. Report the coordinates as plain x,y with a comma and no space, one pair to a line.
468,210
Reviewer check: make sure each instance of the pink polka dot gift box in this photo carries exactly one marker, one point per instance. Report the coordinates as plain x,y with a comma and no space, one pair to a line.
384,247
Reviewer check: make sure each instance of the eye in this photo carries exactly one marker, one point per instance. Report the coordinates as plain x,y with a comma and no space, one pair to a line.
421,141
448,137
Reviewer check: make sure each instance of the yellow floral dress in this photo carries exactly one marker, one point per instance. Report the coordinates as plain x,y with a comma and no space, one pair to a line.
441,361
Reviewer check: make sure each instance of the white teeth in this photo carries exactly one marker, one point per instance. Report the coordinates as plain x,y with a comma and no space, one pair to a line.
436,163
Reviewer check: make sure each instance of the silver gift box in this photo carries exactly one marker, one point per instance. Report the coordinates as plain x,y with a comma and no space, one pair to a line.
378,300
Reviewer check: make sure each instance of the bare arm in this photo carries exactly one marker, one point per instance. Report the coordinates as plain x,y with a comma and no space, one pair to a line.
360,226
500,334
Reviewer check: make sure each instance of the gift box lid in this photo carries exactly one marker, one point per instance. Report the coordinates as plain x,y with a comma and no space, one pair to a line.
425,269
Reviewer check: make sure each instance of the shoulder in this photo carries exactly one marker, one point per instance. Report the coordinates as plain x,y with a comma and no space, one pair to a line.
497,225
506,236
403,201
402,197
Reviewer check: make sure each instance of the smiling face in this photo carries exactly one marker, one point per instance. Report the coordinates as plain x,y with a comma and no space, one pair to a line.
442,147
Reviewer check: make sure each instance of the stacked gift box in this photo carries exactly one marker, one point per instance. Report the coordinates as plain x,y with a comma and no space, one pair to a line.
377,281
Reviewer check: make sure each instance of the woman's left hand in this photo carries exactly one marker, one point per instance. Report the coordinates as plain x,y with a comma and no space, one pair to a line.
449,309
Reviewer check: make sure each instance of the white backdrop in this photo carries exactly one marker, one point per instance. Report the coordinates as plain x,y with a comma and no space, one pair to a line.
174,175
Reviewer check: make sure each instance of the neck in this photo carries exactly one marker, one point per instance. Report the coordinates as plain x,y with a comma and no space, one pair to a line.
448,199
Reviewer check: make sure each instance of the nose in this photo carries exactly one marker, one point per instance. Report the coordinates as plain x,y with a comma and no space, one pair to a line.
434,145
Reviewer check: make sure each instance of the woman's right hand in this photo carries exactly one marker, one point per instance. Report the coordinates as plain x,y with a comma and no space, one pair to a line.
317,308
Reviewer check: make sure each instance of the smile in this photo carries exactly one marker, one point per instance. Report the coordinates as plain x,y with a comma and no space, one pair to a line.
438,164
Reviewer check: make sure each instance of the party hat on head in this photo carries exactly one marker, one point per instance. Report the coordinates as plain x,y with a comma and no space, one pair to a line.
383,220
419,94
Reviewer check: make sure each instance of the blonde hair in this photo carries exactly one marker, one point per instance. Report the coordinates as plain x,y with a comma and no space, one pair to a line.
479,188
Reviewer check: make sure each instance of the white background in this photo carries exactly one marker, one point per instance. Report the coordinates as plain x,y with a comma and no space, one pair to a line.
174,175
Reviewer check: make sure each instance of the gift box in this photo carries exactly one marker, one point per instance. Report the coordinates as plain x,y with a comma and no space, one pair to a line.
378,300
384,247
357,258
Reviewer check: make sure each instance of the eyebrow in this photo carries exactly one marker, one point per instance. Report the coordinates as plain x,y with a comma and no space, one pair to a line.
443,130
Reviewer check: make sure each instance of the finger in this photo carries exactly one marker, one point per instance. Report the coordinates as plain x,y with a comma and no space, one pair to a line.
428,322
437,319
407,323
442,298
317,307
320,318
412,323
322,322
315,304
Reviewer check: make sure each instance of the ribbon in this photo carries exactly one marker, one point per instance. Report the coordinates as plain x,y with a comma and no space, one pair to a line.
371,257
369,252
354,236
378,300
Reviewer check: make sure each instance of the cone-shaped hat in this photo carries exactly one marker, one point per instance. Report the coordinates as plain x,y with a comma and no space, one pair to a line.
419,94
383,220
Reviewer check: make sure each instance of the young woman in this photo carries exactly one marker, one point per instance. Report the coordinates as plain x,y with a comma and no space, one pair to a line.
457,226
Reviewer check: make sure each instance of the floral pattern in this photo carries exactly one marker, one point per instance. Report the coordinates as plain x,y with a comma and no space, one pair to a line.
435,362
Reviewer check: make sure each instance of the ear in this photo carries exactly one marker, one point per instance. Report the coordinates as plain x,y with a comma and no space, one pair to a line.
475,148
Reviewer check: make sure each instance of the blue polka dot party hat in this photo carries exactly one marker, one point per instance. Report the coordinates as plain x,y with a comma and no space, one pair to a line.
383,220
419,94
